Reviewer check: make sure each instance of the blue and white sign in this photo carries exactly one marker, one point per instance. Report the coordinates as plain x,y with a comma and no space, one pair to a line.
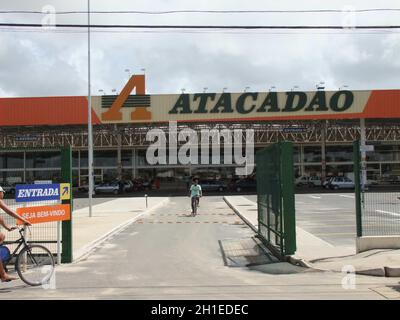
37,192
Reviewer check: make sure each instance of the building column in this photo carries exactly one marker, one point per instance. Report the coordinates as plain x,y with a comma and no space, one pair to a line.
323,150
79,168
363,154
119,156
302,169
396,153
24,166
134,163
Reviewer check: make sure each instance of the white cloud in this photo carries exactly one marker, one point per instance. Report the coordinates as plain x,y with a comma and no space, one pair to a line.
48,63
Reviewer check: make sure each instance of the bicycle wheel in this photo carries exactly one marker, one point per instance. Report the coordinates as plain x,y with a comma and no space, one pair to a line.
194,207
35,265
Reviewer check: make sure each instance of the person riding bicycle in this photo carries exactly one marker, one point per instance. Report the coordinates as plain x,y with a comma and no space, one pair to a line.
3,275
195,193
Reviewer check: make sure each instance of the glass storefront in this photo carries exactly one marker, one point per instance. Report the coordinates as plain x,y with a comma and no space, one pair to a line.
383,162
43,159
384,153
312,153
333,170
12,160
105,158
53,175
11,177
339,153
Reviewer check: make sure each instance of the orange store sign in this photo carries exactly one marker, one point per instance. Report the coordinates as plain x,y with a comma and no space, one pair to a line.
43,214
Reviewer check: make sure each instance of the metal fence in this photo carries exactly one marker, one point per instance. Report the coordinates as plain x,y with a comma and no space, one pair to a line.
378,213
47,233
43,233
275,197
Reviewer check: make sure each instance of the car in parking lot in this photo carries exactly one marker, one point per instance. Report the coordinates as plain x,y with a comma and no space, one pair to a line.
212,185
245,185
340,183
128,186
107,188
8,188
310,181
325,184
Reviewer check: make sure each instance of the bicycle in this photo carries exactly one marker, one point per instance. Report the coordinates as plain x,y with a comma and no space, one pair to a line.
34,263
195,205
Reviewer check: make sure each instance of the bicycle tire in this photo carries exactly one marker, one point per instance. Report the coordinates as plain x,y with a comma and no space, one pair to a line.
38,258
194,207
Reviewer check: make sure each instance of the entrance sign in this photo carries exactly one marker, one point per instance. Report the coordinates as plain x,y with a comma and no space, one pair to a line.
43,214
42,192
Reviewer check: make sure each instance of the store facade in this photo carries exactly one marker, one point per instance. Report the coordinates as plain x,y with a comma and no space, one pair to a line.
321,124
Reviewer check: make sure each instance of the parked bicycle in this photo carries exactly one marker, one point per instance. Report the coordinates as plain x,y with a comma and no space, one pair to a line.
34,263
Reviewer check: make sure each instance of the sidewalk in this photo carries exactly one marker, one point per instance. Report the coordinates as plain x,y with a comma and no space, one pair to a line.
107,219
318,254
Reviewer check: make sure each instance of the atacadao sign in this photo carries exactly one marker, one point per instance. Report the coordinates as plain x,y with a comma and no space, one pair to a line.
242,106
133,105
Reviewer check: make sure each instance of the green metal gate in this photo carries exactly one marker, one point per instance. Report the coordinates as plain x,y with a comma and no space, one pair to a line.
377,208
275,197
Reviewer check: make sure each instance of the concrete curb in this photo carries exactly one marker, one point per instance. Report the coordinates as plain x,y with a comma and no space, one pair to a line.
89,248
301,262
376,272
297,261
240,215
392,272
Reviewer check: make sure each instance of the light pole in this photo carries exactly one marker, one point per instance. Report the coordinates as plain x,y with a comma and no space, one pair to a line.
224,89
114,91
205,89
90,128
102,92
183,90
320,85
246,88
129,73
272,88
294,87
342,87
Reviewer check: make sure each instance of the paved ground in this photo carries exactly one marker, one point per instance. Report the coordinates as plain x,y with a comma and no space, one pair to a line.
331,216
169,255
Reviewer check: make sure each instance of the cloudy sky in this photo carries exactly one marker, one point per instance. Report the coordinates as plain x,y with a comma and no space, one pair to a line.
45,63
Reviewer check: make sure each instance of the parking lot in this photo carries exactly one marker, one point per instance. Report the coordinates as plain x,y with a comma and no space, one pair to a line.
332,216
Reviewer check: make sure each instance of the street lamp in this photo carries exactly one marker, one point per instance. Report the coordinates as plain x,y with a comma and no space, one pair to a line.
271,88
183,90
113,90
224,89
294,87
342,87
246,88
128,71
320,86
205,89
90,126
102,91
143,70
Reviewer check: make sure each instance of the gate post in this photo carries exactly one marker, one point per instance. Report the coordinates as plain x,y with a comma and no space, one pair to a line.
66,176
288,198
357,185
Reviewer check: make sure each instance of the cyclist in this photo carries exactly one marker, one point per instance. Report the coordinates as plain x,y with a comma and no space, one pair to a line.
3,275
195,193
